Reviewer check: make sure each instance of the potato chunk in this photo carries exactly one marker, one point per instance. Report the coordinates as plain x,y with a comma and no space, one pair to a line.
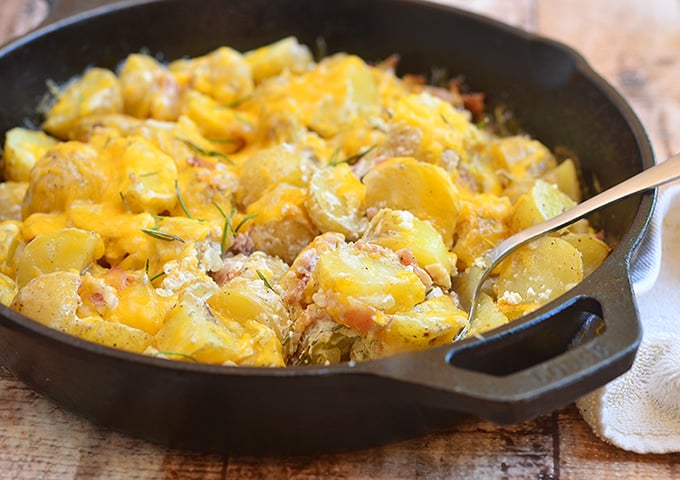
400,229
148,89
361,283
97,92
191,331
11,198
69,171
280,224
32,301
274,59
431,194
336,201
148,178
268,168
251,299
542,202
69,249
537,273
23,148
435,321
593,250
11,245
222,74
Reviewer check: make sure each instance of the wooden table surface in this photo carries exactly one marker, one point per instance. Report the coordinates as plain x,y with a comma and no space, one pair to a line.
634,44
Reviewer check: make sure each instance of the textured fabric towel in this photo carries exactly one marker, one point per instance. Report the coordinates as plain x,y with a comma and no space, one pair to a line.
640,411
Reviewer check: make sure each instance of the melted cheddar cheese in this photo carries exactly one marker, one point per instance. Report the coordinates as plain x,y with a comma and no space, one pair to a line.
264,209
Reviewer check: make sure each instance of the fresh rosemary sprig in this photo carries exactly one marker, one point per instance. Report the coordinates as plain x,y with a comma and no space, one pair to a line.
264,279
228,228
177,354
352,159
202,151
243,120
183,205
167,237
238,102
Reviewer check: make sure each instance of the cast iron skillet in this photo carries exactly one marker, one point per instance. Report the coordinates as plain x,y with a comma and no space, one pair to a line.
575,344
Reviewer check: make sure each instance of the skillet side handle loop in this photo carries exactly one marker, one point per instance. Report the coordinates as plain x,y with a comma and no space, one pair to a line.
534,369
59,10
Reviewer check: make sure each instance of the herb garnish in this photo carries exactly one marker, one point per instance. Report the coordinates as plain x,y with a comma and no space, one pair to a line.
243,120
239,101
177,354
125,202
167,237
183,205
228,228
207,153
352,159
264,279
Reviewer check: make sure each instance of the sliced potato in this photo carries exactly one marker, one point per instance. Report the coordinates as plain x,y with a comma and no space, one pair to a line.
275,58
280,224
148,178
521,157
565,176
431,195
97,92
64,250
148,89
251,299
268,168
537,273
8,290
542,202
11,245
435,321
488,316
222,74
400,229
593,250
11,198
111,334
336,201
361,281
22,150
190,331
32,301
69,171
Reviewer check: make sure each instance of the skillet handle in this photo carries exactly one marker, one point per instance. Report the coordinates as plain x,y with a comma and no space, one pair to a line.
62,9
531,369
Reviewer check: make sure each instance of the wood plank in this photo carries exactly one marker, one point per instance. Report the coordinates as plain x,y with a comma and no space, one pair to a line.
582,452
635,47
460,452
18,17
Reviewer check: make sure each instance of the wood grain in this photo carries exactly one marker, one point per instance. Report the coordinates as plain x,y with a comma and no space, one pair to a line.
635,46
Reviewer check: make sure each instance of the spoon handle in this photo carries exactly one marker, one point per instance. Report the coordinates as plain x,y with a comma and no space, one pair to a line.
664,172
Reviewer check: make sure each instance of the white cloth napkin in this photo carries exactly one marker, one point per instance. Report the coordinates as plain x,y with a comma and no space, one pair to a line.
640,411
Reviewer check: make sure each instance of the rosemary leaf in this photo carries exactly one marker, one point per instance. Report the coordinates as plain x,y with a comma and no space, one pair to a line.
183,205
125,202
207,153
243,120
238,102
177,354
264,279
156,277
354,158
167,237
242,222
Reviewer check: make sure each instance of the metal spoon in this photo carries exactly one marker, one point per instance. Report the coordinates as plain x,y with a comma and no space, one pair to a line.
660,174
